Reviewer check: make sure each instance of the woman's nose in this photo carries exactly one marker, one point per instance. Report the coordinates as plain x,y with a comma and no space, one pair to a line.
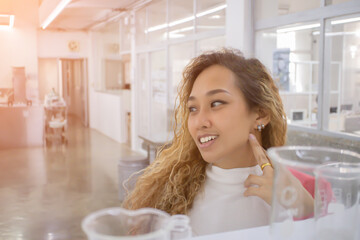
203,120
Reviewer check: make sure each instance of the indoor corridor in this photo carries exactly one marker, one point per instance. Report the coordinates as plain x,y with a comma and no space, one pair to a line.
45,193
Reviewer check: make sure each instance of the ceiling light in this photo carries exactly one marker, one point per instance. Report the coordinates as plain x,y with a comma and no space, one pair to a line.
215,17
187,19
346,20
212,10
55,13
6,21
183,20
302,27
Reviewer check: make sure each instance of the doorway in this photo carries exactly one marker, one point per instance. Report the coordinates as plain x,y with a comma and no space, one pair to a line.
74,87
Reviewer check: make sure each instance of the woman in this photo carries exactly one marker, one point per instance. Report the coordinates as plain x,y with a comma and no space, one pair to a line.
216,169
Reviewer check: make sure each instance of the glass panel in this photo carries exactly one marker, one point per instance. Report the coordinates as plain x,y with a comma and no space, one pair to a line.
210,44
143,91
180,56
270,8
106,53
111,39
210,15
125,33
343,42
291,55
331,2
181,18
140,26
157,26
158,94
113,72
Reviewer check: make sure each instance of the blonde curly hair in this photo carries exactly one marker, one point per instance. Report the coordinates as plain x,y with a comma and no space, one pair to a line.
173,180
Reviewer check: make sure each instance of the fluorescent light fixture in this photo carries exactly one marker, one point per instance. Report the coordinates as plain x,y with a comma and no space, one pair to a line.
6,21
184,20
185,29
302,27
212,10
155,28
215,17
346,20
55,13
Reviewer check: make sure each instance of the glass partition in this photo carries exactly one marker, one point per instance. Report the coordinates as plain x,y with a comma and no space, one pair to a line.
291,55
156,21
158,76
209,44
181,18
265,9
342,38
210,15
140,27
143,89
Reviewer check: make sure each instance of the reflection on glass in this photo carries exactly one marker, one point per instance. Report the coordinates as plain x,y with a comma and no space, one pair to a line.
265,9
181,18
125,33
343,42
291,55
106,41
210,44
210,15
331,2
110,38
140,24
158,93
180,56
113,71
156,21
143,90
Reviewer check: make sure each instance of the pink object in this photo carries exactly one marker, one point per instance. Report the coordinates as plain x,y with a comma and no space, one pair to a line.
308,183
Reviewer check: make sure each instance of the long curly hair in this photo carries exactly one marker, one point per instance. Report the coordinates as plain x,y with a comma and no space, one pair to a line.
173,180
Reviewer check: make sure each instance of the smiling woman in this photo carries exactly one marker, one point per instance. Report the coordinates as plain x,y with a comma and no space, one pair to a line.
230,112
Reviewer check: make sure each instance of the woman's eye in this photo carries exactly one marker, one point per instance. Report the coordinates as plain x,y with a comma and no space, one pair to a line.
216,103
192,109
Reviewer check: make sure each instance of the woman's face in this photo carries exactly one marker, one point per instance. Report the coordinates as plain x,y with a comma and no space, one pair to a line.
219,119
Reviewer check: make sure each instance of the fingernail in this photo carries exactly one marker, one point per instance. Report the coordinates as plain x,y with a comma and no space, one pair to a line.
251,136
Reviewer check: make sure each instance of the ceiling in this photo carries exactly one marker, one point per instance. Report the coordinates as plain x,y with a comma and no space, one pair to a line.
85,14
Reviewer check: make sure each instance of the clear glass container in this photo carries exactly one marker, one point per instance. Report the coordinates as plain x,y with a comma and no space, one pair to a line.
304,188
142,224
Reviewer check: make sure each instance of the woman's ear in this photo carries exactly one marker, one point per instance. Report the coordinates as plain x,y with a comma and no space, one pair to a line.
263,118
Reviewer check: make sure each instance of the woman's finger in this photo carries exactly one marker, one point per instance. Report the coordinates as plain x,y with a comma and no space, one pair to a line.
254,180
252,191
260,155
259,192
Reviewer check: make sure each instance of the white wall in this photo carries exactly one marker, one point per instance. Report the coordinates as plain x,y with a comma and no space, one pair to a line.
18,46
108,113
54,44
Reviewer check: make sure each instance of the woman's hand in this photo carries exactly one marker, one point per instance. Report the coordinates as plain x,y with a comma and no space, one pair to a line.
265,182
304,202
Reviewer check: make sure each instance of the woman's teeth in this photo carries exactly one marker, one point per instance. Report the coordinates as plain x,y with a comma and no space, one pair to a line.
206,139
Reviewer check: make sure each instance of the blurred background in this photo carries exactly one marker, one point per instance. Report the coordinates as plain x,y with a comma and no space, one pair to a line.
85,84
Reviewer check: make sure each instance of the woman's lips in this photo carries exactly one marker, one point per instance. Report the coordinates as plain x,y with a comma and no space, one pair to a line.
207,144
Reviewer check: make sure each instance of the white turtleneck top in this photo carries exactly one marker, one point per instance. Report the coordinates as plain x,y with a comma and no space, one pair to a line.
222,206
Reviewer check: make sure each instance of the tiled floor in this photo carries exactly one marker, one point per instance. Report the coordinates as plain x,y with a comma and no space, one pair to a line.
45,193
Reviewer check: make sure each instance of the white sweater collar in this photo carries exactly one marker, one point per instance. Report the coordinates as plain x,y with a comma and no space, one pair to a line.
231,176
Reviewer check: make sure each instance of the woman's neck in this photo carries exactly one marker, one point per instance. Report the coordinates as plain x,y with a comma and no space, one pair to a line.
242,158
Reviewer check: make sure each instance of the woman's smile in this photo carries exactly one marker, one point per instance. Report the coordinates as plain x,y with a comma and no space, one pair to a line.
206,141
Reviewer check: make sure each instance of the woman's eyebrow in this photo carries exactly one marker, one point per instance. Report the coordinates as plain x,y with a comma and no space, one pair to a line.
210,93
